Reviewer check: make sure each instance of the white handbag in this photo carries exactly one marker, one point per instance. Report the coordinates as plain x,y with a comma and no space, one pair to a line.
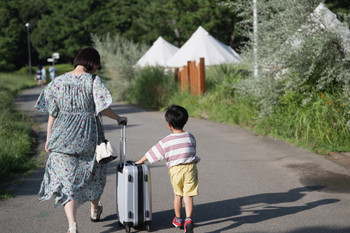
105,152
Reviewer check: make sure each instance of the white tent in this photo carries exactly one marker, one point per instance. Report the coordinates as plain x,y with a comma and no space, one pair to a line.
323,18
328,20
202,44
158,54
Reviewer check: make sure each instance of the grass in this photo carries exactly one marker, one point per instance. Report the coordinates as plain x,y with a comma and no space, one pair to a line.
5,194
16,136
60,69
321,125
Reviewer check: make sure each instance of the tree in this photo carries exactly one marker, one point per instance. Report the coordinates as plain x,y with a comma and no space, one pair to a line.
67,26
10,37
63,28
13,35
338,6
177,20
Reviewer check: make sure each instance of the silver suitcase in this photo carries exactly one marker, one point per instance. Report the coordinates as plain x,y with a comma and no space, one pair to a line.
134,202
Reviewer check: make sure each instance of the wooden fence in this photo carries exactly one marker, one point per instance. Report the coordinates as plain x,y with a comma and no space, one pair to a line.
191,77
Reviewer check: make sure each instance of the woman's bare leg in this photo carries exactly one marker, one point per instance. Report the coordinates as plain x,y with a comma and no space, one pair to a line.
71,212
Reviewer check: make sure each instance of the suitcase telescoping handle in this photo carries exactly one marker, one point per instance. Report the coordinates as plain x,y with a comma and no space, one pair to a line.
122,143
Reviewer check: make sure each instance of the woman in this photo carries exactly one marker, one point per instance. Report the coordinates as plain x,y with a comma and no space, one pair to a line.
72,100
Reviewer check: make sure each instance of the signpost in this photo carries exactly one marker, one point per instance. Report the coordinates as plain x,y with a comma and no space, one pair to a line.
54,58
29,52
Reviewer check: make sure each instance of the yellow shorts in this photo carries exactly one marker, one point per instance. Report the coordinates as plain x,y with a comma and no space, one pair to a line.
184,179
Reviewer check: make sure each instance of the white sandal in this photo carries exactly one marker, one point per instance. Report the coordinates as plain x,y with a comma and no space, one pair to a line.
96,214
73,228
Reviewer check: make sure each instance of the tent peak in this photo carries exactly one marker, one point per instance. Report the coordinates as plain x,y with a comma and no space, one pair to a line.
158,54
201,30
202,44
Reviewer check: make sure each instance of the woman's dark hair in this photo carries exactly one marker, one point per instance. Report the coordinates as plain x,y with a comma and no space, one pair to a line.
89,58
176,116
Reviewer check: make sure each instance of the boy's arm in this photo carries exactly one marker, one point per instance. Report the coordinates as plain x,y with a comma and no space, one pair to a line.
142,160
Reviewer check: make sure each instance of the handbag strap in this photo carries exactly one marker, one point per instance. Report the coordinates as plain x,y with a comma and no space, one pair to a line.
99,124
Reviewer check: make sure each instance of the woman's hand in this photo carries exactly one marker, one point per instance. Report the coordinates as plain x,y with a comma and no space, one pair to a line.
122,119
111,114
47,147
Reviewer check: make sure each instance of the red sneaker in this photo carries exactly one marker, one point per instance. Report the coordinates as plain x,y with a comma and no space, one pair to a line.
188,227
177,222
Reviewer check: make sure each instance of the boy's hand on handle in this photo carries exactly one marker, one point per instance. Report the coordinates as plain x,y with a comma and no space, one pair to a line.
142,160
139,162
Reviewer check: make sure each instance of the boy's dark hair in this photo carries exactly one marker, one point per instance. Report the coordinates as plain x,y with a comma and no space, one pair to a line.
176,116
89,58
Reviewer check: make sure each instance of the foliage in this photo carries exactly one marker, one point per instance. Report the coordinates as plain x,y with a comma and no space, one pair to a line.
152,87
321,124
65,26
177,20
13,32
220,102
10,36
118,56
15,128
4,194
295,53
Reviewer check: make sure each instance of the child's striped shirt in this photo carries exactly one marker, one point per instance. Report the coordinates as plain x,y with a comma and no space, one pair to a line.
175,149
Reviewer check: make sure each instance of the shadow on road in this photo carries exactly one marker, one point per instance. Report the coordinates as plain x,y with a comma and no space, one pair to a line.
233,212
255,209
27,97
122,109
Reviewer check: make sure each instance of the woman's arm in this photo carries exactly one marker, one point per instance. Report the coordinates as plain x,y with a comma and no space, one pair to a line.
111,114
50,122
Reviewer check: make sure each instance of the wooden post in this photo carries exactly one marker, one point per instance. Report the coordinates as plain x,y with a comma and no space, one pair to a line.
177,75
192,78
196,80
201,71
185,78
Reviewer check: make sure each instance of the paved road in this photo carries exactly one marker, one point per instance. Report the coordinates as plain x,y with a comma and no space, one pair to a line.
248,183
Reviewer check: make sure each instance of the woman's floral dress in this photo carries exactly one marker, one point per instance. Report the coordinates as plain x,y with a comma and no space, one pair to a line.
72,172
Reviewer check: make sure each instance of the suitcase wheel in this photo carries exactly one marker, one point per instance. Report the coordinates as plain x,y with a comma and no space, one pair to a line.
148,227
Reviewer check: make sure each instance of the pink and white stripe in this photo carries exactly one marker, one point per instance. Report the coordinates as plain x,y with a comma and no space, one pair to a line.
175,149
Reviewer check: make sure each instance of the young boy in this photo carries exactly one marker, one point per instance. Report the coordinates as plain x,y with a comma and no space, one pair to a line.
179,151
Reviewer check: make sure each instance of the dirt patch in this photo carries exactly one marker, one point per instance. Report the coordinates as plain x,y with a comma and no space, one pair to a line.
342,159
313,175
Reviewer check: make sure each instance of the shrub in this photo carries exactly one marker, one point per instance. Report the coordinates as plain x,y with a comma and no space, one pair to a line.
152,87
118,57
296,53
